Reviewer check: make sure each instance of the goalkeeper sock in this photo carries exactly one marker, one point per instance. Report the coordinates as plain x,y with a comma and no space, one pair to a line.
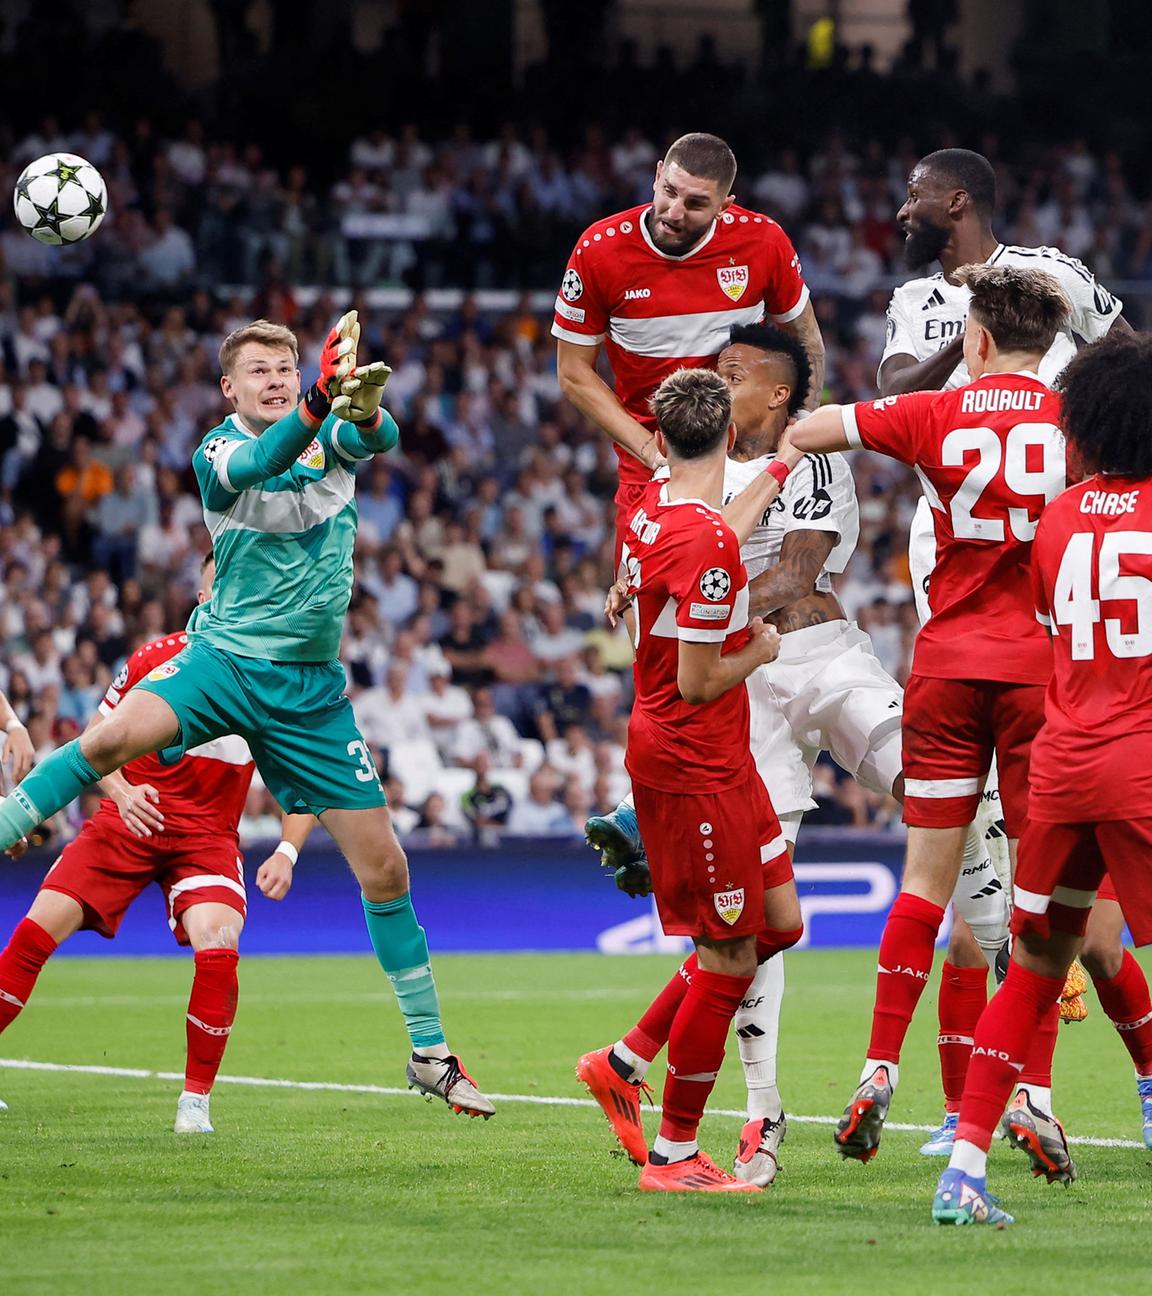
402,949
56,781
29,948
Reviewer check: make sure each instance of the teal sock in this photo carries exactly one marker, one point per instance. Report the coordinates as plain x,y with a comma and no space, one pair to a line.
402,949
57,780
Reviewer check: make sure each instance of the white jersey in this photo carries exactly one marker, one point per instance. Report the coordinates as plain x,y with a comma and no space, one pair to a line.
819,495
924,315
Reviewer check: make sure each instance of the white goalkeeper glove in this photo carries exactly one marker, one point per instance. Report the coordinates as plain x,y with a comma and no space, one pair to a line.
361,392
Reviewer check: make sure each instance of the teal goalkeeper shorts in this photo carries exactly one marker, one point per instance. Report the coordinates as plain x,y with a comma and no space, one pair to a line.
295,717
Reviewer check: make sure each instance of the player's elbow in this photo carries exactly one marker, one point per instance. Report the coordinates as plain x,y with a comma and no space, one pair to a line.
694,690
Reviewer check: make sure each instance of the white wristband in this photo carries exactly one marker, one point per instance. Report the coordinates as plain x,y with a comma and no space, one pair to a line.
286,848
15,724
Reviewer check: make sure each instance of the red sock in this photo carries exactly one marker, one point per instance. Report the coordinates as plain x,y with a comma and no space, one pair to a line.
1038,1064
29,948
696,1049
963,997
1003,1039
905,964
651,1032
1126,1001
211,1012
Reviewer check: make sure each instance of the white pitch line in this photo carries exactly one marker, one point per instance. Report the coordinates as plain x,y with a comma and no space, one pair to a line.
537,1100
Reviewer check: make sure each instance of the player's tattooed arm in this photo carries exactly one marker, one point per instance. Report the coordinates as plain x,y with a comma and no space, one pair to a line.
807,329
802,558
583,386
900,374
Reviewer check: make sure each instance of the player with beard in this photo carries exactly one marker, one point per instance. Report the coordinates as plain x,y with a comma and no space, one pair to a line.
947,219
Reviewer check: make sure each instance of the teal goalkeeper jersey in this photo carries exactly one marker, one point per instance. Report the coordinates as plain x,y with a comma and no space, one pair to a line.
281,511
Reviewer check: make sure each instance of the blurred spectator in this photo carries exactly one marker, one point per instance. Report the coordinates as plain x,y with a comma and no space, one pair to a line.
539,814
486,804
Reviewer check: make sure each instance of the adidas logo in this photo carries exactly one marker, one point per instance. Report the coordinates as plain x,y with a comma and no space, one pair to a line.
937,299
749,1032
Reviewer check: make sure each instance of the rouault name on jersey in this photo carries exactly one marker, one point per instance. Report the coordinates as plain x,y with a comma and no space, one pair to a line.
993,400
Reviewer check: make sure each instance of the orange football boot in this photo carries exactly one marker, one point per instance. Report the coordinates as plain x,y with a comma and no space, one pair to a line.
619,1101
698,1173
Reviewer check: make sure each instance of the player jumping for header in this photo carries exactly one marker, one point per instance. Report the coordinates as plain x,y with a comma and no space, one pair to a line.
277,480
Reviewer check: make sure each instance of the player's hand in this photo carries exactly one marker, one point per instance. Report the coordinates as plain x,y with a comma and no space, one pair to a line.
139,809
616,602
361,391
338,355
17,849
18,746
765,640
274,876
786,452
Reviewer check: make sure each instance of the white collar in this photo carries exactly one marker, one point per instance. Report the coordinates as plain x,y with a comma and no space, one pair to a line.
665,502
667,255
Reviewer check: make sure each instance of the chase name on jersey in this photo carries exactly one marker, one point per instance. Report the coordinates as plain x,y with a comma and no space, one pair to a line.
995,400
1109,503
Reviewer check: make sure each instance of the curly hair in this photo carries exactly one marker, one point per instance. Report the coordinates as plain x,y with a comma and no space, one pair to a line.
775,341
1107,404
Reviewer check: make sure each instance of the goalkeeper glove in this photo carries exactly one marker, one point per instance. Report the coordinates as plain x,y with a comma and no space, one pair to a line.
360,393
634,878
337,362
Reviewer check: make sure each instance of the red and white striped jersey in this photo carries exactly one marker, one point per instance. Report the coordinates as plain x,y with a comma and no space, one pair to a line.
656,313
204,791
688,583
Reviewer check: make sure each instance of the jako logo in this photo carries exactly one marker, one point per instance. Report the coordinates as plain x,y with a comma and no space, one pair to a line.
899,970
637,294
989,1052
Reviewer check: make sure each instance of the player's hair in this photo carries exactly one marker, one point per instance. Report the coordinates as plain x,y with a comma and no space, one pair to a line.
261,330
774,341
705,156
1107,404
693,409
969,171
1023,309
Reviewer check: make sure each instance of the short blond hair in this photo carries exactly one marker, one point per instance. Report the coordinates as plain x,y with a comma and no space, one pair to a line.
261,330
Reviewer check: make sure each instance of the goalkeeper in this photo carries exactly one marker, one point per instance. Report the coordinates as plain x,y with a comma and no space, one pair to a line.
277,481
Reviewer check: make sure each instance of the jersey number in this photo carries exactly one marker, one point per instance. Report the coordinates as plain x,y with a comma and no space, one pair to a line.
1074,606
367,771
1042,484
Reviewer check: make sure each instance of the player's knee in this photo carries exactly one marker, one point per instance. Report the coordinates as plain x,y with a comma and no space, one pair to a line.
104,748
384,875
1101,958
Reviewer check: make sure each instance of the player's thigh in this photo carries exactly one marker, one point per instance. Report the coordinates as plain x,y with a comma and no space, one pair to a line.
309,751
1019,713
368,842
142,723
102,870
211,924
861,724
1126,845
947,747
781,763
1059,868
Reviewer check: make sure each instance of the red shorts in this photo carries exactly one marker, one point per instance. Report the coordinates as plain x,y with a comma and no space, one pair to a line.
712,856
627,500
106,868
1060,867
951,730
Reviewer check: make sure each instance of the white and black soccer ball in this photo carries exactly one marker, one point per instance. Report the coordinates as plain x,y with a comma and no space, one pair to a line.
60,198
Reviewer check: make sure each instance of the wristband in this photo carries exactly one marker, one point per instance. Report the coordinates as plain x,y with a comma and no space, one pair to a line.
286,848
317,403
17,723
779,470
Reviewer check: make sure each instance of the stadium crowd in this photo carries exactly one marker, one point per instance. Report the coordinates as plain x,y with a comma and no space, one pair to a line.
480,667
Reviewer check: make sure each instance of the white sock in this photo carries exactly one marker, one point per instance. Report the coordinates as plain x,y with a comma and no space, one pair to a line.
870,1065
757,1025
1039,1096
629,801
675,1151
433,1051
969,1159
638,1064
185,1094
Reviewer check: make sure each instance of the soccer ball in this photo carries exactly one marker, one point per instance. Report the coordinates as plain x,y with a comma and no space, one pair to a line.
60,198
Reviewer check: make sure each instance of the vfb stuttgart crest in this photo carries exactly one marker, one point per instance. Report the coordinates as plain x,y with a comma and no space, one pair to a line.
313,457
733,280
715,584
729,905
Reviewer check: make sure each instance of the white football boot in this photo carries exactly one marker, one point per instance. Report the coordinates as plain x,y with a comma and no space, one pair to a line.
192,1115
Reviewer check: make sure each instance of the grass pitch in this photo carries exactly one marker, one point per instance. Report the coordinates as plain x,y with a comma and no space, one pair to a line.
316,1191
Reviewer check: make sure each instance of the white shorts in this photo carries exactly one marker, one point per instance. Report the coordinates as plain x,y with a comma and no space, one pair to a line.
921,556
827,691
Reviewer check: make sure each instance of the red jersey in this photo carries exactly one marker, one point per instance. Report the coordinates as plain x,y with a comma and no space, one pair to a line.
656,313
1092,581
688,582
203,792
989,456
